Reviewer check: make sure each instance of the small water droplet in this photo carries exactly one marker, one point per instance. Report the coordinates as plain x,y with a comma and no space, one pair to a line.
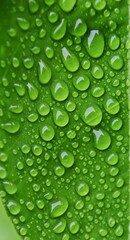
32,91
11,127
60,226
35,50
47,132
33,6
3,172
20,89
97,71
79,204
23,23
82,189
111,105
70,60
113,171
70,106
94,43
28,62
82,82
112,158
97,91
103,232
60,117
113,41
32,117
59,170
53,17
42,33
116,62
43,109
101,138
66,158
58,207
60,30
91,114
116,123
49,52
44,72
13,207
80,28
74,226
16,108
15,62
111,222
67,5
120,182
59,90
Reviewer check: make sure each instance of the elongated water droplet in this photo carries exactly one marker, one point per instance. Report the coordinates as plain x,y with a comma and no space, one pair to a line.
114,41
116,62
70,60
10,187
58,207
33,6
11,127
111,105
94,43
59,90
20,89
60,117
60,30
79,28
66,158
23,23
119,231
67,5
112,158
3,172
32,91
74,227
101,138
60,226
91,114
44,72
47,132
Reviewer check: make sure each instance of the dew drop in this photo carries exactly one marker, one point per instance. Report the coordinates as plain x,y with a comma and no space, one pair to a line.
120,182
23,23
47,132
116,124
20,89
66,158
11,127
60,117
35,50
60,226
79,204
91,114
114,41
58,207
102,139
33,6
97,91
13,207
32,117
70,106
67,5
116,62
111,222
49,2
94,43
49,52
99,4
15,62
103,232
28,63
59,90
112,158
82,82
59,170
97,72
16,108
43,109
42,33
32,91
3,172
44,72
74,227
10,187
80,28
111,105
82,189
60,30
119,231
53,17
70,60
40,204
37,150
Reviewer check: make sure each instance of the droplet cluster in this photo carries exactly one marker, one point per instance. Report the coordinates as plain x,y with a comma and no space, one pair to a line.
64,118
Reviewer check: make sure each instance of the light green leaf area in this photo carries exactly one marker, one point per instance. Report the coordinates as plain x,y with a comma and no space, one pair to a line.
64,118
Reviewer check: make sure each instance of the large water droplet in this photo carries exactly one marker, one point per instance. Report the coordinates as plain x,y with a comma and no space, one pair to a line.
66,158
70,60
44,72
11,127
3,172
111,105
47,132
59,90
114,41
112,158
10,187
97,71
119,231
82,82
79,28
91,114
99,4
111,222
28,62
33,6
60,30
20,89
58,207
23,23
102,139
116,62
74,227
16,108
94,43
32,91
13,207
67,5
43,109
82,189
60,226
97,91
60,117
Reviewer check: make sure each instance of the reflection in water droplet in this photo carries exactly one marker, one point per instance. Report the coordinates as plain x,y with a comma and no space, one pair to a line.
70,60
60,226
114,41
97,91
97,71
74,227
112,158
43,109
32,91
81,83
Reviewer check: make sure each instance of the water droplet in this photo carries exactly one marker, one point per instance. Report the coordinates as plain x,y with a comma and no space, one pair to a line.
79,204
82,189
16,108
25,148
116,194
79,28
28,62
112,158
49,2
12,32
97,91
111,105
97,71
32,117
60,30
66,158
74,227
3,156
49,52
37,150
81,83
67,5
3,172
33,6
114,41
47,132
113,171
111,222
59,170
40,204
120,182
60,117
35,50
13,207
11,127
103,232
119,231
23,23
59,90
42,33
69,60
15,62
53,17
10,187
91,114
60,226
94,43
43,109
70,106
116,123
32,91
116,62
20,89
58,207
99,4
101,138
44,72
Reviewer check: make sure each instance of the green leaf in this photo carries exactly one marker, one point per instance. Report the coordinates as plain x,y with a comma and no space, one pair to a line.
64,118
